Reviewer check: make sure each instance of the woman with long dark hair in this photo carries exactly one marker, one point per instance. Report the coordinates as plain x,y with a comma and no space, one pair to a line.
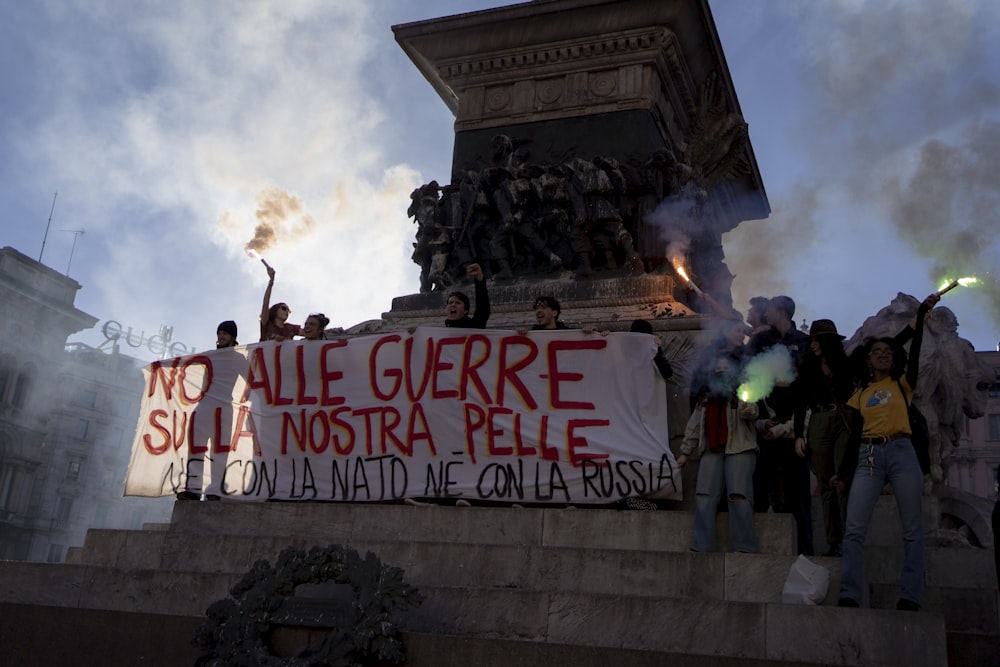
825,383
274,319
886,455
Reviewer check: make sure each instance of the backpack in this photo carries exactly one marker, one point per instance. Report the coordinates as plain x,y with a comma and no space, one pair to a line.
920,433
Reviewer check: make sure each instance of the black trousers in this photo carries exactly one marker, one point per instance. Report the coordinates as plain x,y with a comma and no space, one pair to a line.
781,481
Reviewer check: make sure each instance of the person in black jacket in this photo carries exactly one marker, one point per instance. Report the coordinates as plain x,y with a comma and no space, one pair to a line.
781,478
660,361
456,310
825,383
886,455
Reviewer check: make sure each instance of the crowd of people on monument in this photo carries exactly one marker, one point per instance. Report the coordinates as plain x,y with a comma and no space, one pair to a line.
844,419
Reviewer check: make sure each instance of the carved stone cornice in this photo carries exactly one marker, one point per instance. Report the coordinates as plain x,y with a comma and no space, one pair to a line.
631,69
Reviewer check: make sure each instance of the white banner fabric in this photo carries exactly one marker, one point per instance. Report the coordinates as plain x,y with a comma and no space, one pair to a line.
551,417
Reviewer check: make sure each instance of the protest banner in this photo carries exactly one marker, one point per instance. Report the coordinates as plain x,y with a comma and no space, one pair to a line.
560,417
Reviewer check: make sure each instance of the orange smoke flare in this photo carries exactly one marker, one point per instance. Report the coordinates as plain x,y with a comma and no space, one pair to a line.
253,254
683,274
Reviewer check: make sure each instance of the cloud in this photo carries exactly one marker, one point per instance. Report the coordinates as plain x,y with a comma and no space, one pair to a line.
191,125
891,100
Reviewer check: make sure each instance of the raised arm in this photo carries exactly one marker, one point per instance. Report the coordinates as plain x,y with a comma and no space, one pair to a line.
264,315
661,362
913,360
482,314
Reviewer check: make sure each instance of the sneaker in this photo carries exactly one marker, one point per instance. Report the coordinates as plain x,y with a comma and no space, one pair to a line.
415,502
212,496
462,502
847,602
188,495
907,605
640,504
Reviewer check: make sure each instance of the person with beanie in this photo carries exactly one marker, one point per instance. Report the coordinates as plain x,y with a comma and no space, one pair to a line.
225,335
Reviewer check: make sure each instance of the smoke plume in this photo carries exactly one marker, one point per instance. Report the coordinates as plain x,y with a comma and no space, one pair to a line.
949,209
896,151
280,216
764,371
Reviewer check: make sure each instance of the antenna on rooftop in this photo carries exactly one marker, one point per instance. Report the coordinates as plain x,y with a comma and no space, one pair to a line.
76,234
47,225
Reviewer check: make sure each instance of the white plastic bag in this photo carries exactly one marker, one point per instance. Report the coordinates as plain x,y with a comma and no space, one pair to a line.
807,583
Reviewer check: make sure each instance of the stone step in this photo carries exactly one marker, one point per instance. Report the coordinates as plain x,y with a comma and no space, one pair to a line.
89,638
730,577
648,530
35,634
251,532
112,589
695,626
967,610
754,631
337,522
970,649
761,576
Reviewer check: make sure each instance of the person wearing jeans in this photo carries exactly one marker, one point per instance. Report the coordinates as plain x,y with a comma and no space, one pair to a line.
721,431
886,455
733,472
894,462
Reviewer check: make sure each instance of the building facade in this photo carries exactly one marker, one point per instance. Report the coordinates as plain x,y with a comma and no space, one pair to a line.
67,415
975,463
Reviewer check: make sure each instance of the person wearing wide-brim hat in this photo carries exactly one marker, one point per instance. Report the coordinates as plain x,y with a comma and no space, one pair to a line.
824,328
825,383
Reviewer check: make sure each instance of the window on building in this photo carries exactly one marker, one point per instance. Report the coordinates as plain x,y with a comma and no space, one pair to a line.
993,432
122,406
73,472
81,428
63,511
87,398
21,389
8,477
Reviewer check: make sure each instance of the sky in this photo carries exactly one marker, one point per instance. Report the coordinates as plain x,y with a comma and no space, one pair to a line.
152,138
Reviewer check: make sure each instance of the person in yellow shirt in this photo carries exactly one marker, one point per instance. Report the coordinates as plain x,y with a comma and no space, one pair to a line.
886,455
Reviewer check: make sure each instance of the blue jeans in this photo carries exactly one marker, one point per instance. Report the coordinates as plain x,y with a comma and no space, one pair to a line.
896,463
736,470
